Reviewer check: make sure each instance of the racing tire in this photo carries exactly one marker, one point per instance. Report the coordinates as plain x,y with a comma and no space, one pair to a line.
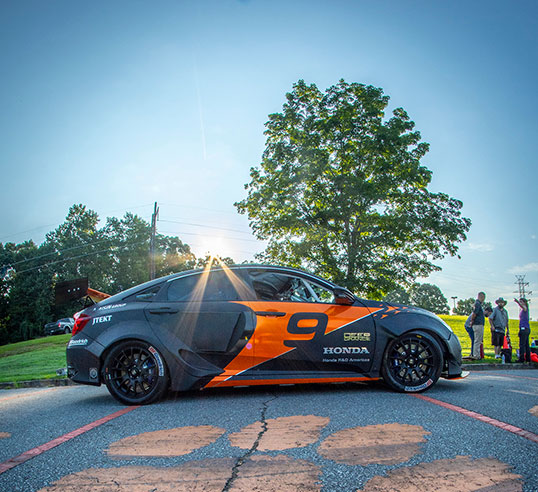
135,373
412,363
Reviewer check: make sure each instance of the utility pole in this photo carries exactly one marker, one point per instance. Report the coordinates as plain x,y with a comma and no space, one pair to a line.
454,303
521,284
154,218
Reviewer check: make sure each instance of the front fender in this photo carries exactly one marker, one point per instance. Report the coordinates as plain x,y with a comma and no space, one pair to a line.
392,323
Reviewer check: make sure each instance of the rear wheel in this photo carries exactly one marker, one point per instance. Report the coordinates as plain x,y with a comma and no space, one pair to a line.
67,330
412,362
135,373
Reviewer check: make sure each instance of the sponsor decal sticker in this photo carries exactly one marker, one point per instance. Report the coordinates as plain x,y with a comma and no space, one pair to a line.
77,343
357,337
158,359
101,319
111,306
344,350
418,388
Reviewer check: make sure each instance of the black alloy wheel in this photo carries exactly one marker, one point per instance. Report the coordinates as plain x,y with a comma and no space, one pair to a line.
135,373
412,362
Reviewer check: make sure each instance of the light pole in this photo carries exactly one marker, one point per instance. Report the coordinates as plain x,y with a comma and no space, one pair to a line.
454,303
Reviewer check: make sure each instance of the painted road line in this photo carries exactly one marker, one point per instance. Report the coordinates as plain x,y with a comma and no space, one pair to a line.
28,455
513,376
478,416
30,393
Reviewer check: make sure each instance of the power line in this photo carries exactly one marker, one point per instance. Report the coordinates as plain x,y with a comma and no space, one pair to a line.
200,208
205,235
205,225
521,284
60,251
24,232
154,218
108,250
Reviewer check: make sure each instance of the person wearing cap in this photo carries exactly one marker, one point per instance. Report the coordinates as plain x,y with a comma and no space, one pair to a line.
477,323
499,326
524,331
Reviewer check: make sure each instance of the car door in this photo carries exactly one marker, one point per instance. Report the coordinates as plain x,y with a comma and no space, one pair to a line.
301,332
196,317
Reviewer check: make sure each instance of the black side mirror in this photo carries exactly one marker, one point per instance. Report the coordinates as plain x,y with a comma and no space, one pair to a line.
343,297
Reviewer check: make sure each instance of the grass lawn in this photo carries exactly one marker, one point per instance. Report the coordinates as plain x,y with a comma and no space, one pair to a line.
39,359
33,359
456,323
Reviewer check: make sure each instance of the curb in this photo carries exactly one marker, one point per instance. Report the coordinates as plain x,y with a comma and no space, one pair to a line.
38,383
45,383
497,367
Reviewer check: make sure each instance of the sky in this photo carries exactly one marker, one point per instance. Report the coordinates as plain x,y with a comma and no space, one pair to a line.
118,105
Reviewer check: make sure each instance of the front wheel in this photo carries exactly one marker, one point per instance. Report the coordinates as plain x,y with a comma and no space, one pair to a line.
135,373
412,362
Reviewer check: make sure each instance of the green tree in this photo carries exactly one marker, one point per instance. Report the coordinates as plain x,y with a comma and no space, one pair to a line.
204,262
398,296
173,256
341,191
464,306
25,300
430,297
81,249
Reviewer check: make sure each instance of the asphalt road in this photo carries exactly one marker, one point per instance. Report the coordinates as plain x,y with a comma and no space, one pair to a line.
328,437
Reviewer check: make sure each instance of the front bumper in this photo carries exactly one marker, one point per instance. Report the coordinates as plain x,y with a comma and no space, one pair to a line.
83,360
453,360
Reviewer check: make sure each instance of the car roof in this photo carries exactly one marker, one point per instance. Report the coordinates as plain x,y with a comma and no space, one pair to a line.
273,268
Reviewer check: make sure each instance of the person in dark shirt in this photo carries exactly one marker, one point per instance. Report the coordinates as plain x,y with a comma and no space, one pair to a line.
524,331
477,323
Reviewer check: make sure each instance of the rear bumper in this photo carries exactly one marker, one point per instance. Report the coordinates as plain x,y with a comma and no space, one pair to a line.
83,360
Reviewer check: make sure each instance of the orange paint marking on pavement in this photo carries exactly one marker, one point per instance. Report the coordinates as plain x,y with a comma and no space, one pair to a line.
478,416
28,455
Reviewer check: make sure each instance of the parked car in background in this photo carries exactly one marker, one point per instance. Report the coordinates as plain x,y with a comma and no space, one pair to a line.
64,325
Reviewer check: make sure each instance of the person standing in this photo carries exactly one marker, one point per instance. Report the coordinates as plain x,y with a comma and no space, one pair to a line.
499,326
477,323
469,329
524,331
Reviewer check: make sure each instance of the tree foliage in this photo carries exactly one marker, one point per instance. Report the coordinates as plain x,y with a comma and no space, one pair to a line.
430,297
341,191
398,296
464,306
114,257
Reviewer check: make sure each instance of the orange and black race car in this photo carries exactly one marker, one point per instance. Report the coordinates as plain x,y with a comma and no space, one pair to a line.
252,325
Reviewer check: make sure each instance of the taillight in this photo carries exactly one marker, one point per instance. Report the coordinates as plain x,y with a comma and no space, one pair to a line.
80,323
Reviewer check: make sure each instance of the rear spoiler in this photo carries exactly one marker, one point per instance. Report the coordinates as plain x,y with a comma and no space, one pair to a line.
96,296
71,290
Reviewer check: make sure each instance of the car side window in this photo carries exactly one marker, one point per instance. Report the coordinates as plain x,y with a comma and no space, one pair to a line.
212,286
183,288
146,295
322,293
272,286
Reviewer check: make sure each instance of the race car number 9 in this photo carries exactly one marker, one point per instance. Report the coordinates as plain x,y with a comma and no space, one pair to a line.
318,330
